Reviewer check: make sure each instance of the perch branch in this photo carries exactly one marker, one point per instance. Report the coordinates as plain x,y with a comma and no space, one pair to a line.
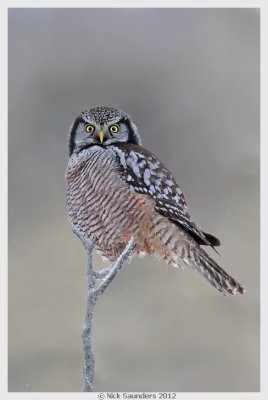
106,276
115,268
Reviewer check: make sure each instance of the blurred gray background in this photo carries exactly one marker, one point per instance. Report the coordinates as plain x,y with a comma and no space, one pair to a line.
190,80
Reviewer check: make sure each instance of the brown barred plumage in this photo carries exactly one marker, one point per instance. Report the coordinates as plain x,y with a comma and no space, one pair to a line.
116,189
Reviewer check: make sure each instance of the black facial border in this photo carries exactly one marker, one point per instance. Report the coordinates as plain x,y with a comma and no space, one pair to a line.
72,134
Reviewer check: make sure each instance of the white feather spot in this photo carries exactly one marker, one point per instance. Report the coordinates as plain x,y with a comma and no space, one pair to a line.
121,155
141,155
176,198
131,161
152,189
169,182
146,177
142,163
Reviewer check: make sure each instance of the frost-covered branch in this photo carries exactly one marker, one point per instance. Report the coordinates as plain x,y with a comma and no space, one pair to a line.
115,268
93,293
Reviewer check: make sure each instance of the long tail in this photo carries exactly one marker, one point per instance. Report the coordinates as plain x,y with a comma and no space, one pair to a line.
213,273
188,250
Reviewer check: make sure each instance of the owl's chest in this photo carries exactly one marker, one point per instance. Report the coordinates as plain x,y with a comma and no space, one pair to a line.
94,186
104,206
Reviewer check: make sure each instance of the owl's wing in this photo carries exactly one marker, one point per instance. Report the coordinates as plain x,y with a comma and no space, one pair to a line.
145,173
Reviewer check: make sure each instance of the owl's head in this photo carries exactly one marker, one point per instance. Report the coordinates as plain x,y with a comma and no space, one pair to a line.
102,126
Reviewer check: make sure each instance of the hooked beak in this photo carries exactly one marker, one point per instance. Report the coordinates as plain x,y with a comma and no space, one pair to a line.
101,136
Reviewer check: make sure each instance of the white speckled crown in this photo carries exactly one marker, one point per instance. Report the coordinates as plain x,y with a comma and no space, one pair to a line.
102,115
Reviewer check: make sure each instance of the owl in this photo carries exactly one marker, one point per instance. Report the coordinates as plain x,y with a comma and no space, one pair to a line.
116,189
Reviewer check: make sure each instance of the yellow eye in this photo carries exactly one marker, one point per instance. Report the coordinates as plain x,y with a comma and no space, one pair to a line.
114,128
89,128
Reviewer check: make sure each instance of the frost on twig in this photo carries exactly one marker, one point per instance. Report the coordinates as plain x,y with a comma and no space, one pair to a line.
93,293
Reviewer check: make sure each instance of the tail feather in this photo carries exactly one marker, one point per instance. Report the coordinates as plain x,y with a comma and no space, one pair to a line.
214,274
176,245
213,241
